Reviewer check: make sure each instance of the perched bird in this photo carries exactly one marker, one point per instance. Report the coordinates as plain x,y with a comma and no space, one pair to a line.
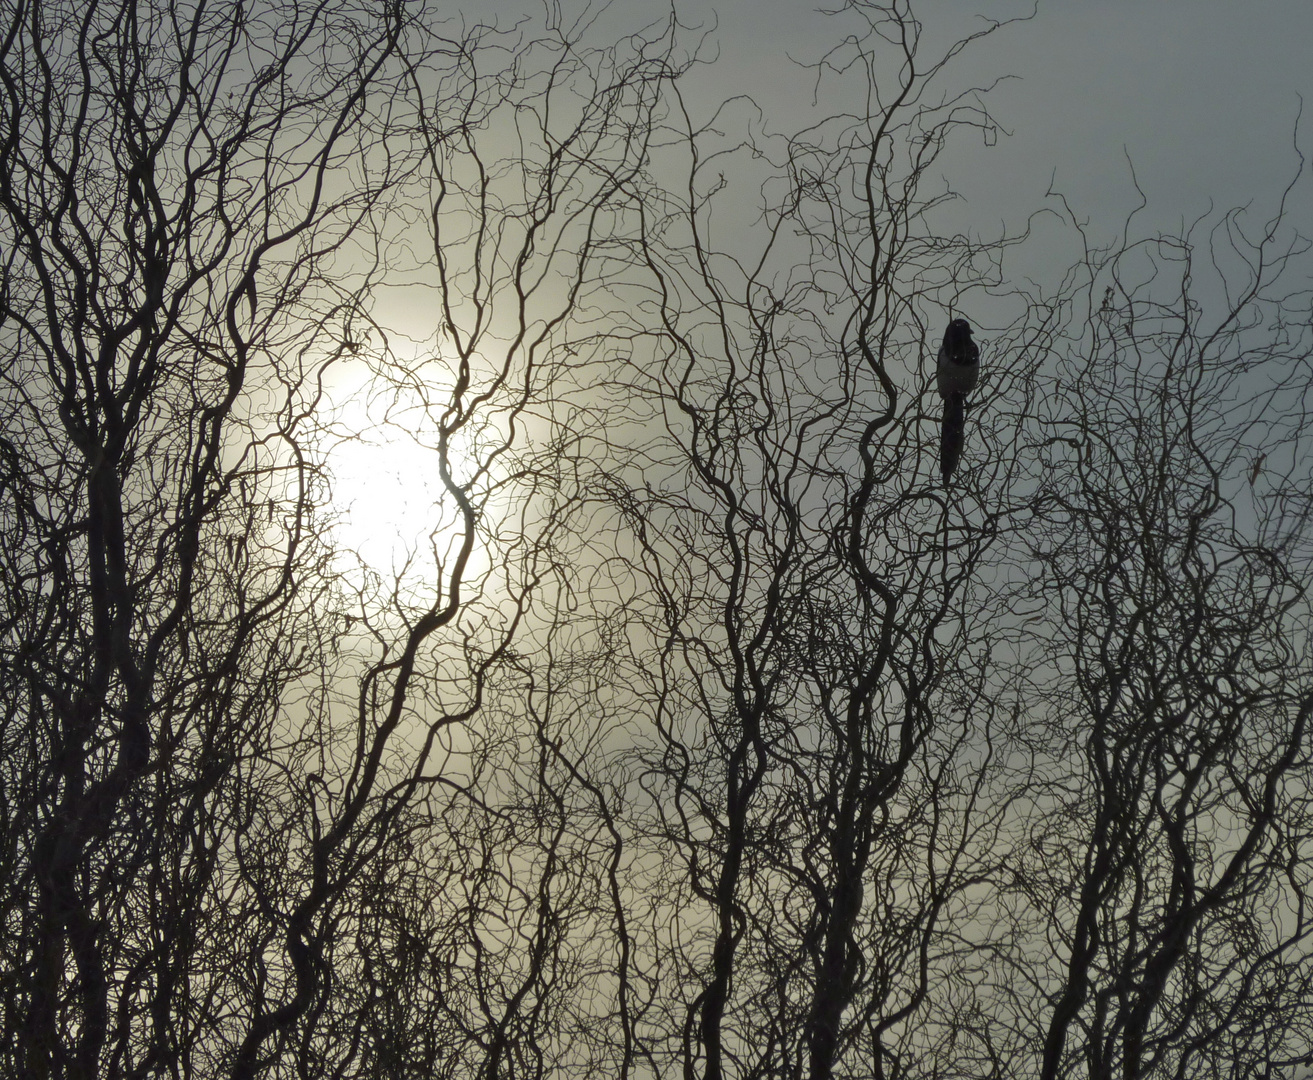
958,373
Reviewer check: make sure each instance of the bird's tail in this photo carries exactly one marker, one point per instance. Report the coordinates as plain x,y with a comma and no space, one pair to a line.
954,434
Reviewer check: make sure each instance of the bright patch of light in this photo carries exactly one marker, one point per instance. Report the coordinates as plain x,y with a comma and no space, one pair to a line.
390,513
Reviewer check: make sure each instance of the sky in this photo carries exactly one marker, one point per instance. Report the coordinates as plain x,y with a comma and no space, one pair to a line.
1202,95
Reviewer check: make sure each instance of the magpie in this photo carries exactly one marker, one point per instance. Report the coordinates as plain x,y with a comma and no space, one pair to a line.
959,371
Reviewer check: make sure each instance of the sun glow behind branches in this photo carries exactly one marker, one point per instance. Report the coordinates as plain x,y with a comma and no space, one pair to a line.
391,516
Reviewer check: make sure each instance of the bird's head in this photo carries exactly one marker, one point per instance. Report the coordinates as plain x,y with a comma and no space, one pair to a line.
959,331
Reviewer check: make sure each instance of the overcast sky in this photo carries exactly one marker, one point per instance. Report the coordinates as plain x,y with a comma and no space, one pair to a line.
1202,94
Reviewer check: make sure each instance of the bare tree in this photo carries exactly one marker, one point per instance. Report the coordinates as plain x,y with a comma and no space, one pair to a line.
206,852
173,192
1171,539
821,705
1007,781
697,727
523,167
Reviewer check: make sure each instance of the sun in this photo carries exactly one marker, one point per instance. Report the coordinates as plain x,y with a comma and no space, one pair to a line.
389,512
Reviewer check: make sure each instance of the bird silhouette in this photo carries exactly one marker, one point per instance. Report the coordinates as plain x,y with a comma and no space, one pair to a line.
958,373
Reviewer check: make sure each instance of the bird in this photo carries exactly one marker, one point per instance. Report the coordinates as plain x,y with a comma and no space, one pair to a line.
958,373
